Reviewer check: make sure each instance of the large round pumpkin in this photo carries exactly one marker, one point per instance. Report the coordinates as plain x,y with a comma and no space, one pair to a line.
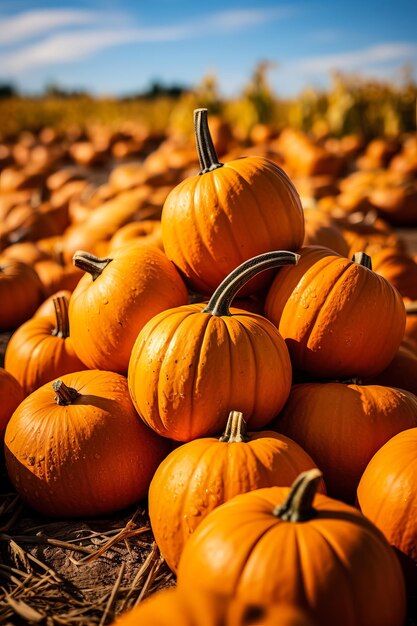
193,364
338,317
11,394
342,426
202,474
115,299
76,447
228,213
283,544
20,293
41,349
171,606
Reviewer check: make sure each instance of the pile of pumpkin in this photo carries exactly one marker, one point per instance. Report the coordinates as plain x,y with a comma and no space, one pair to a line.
123,390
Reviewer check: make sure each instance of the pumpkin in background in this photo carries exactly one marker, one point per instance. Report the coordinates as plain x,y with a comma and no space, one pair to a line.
55,276
411,321
228,213
282,544
401,372
11,394
147,231
320,231
171,606
202,474
41,349
399,268
387,495
115,299
76,447
328,309
20,293
342,426
192,365
47,308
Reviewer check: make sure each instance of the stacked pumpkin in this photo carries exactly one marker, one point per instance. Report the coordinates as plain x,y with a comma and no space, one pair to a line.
237,515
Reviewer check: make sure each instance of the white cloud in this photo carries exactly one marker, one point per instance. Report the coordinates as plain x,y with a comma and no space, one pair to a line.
357,59
32,23
74,46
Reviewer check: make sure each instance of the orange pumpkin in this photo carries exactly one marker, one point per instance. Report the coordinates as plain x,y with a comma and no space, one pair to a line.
147,231
41,349
12,395
399,268
47,308
342,426
321,231
191,365
283,544
76,447
228,213
401,372
411,321
55,276
115,299
208,609
202,474
20,293
328,309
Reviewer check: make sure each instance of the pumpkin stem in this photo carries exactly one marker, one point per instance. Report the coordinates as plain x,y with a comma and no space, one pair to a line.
221,299
236,431
298,506
90,263
61,313
362,259
64,395
205,148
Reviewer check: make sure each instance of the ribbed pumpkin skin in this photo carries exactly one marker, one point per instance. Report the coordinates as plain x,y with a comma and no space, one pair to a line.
342,426
47,309
213,222
202,474
188,369
34,356
170,607
20,293
337,317
92,457
337,565
401,372
11,394
107,314
387,492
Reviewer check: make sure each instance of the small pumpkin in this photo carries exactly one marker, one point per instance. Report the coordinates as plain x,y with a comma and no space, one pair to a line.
342,426
20,293
328,309
115,299
228,213
12,395
76,447
294,545
147,231
209,609
192,364
202,474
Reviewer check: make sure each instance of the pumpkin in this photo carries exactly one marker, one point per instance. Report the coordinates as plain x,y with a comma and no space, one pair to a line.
115,299
228,213
411,321
55,276
294,545
41,349
342,426
387,496
47,308
401,372
204,473
20,292
320,231
147,231
328,309
305,157
399,268
11,394
192,365
209,609
76,447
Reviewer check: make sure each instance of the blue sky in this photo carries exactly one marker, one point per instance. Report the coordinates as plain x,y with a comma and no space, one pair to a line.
121,48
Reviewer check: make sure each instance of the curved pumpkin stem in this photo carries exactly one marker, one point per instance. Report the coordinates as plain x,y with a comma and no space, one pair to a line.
89,263
205,148
362,259
298,507
61,313
236,431
64,395
222,298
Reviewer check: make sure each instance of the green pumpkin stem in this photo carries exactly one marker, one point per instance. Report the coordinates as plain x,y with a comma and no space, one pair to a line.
205,148
362,259
89,263
64,395
222,298
61,313
298,507
236,431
